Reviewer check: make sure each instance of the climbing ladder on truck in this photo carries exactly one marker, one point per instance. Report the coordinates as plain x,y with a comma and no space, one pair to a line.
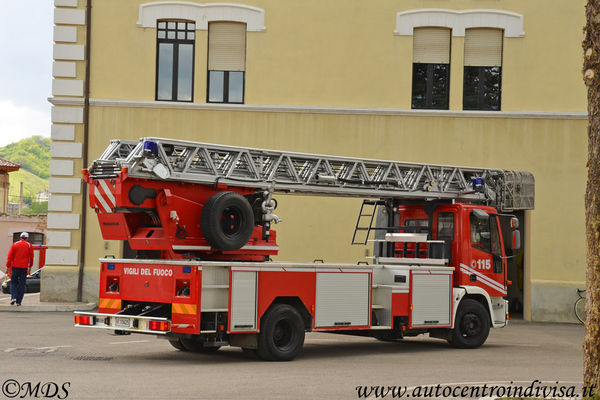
204,213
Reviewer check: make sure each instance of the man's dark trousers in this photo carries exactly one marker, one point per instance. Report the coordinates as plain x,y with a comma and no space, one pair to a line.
17,283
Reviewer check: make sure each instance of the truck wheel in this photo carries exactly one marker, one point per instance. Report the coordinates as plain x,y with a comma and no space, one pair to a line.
227,221
281,334
472,325
197,346
177,344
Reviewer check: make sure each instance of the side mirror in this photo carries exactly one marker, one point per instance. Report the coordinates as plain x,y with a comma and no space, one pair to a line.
516,240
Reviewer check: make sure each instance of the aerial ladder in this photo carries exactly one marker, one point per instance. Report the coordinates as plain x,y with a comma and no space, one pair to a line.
312,174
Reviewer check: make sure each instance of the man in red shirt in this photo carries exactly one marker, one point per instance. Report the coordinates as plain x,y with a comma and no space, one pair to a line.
18,264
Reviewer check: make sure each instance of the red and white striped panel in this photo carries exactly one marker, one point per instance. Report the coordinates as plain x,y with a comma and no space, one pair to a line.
104,196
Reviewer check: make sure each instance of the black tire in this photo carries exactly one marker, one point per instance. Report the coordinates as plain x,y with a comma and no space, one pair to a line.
281,334
195,345
472,325
177,344
227,221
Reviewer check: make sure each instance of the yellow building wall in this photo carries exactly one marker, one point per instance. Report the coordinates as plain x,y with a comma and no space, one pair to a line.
343,53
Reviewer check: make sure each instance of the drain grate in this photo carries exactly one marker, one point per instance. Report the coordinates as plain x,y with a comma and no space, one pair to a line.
92,358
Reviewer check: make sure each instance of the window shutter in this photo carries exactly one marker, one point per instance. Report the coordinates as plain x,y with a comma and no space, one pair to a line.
483,47
226,46
431,45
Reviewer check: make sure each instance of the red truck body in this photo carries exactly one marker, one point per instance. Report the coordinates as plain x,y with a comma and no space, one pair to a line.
440,268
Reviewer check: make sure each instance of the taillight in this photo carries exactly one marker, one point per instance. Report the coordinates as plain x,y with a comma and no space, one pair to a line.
84,320
159,326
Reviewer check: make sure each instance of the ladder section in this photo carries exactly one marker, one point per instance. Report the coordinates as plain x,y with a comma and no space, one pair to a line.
364,222
313,174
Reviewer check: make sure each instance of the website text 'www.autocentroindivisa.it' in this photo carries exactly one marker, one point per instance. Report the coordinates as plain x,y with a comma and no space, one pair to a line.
536,388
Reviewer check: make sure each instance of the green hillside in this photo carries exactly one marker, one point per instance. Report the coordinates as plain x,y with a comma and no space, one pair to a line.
32,185
32,154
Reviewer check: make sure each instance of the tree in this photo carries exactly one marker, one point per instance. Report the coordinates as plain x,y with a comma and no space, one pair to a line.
37,208
591,74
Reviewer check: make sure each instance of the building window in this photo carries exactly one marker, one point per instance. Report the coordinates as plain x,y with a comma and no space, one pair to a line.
34,237
226,62
482,86
431,68
175,60
445,227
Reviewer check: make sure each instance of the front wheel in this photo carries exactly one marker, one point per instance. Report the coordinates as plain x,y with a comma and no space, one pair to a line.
281,335
472,325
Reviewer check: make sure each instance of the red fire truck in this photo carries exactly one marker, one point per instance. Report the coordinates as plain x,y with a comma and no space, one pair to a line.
198,218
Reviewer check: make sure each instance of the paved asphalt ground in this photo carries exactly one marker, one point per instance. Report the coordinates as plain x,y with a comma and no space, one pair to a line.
45,347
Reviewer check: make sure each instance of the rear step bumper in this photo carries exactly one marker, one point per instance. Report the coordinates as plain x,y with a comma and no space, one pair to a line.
124,323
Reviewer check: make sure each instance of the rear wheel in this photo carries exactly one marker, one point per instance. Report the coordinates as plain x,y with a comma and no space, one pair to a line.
472,325
282,334
196,345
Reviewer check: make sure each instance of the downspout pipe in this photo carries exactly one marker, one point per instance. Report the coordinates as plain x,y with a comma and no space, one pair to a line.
86,130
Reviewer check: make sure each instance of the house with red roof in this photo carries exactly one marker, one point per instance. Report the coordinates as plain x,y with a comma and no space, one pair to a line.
5,167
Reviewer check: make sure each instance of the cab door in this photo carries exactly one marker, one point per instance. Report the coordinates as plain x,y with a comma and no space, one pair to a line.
487,267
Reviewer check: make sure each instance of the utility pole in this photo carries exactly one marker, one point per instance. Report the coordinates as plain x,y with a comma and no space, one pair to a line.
21,199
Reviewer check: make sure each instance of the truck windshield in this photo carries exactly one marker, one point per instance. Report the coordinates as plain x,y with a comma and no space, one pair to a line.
496,248
485,236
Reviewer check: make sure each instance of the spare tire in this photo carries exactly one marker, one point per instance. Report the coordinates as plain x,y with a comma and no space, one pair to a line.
227,221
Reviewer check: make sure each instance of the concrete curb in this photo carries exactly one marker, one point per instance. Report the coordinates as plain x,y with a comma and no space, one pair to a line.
56,307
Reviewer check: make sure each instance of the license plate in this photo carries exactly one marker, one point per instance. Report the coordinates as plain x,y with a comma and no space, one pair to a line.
122,322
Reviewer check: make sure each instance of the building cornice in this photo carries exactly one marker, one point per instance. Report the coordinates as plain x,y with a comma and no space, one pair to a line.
201,14
460,20
68,101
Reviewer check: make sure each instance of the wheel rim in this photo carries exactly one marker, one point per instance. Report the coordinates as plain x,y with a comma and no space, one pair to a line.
231,221
283,334
470,325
